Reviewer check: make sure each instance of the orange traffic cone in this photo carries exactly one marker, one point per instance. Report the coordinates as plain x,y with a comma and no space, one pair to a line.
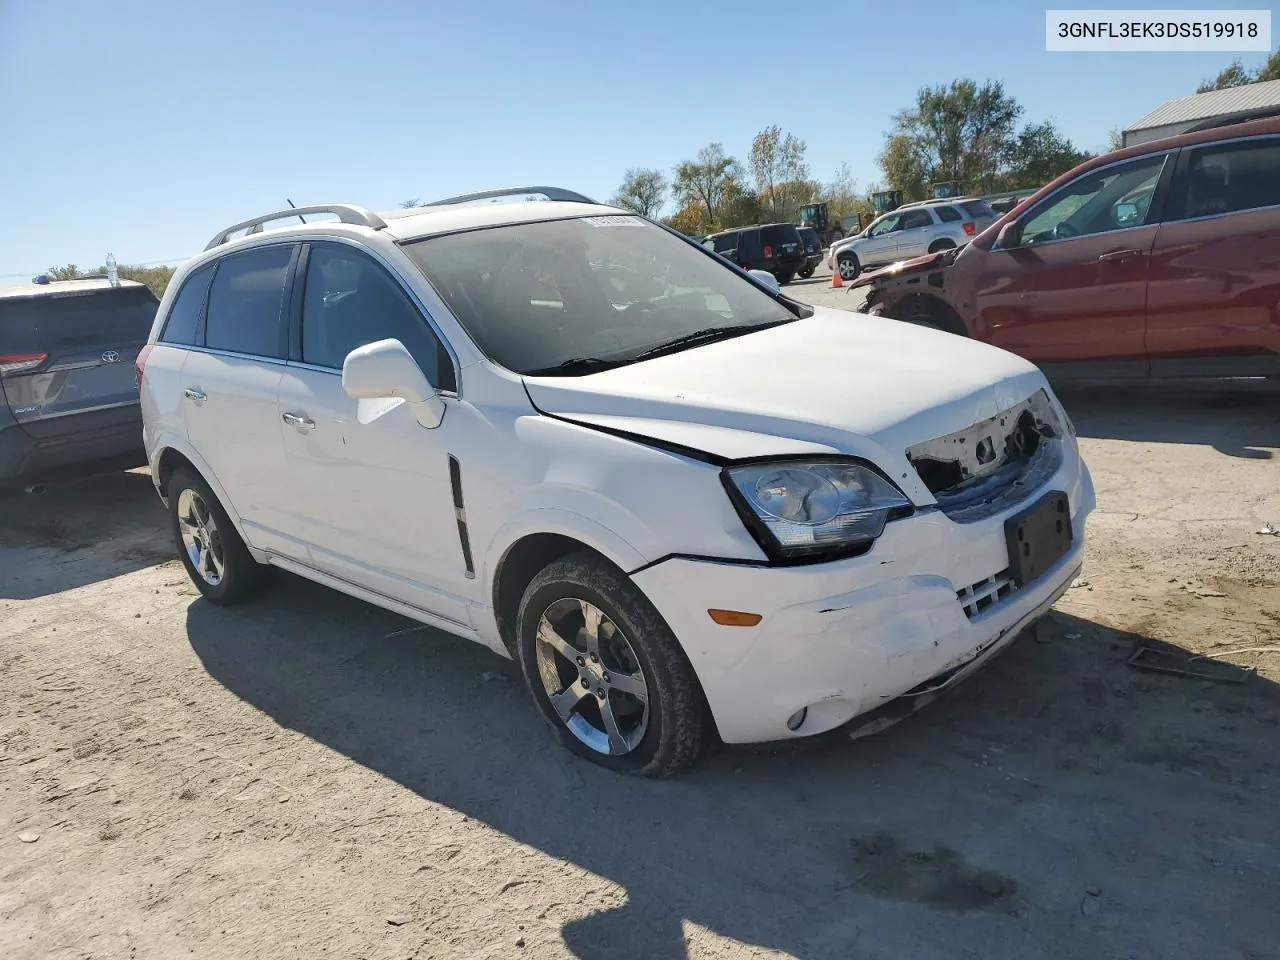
836,281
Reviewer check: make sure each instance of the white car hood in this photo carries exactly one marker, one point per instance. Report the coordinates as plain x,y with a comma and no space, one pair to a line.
837,382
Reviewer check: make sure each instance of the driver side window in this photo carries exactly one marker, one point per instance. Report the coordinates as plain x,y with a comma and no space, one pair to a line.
1114,198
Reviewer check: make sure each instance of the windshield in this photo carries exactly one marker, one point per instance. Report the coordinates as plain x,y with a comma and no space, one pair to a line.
534,296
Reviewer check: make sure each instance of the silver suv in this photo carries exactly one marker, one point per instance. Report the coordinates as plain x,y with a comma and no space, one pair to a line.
912,230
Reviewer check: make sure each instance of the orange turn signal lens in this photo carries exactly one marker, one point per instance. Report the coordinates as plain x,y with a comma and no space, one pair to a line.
735,618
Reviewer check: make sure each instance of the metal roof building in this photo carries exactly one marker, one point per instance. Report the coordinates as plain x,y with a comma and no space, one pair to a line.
1177,116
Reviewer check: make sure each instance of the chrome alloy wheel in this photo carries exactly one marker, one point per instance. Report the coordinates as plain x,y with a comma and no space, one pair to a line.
200,537
592,676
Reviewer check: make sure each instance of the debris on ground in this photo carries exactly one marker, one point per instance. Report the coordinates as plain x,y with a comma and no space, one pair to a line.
1179,665
489,676
28,836
1268,530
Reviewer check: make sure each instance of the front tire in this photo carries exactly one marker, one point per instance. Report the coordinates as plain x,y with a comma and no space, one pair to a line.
607,672
216,559
848,265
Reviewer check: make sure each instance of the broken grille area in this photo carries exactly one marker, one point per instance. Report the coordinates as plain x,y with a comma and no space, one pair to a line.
992,464
984,594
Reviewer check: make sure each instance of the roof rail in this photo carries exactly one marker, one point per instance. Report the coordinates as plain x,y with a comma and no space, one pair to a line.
551,193
345,212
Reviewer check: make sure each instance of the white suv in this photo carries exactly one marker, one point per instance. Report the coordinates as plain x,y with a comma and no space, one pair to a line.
687,505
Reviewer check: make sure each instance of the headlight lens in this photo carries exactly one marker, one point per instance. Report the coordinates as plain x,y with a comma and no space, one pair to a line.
815,506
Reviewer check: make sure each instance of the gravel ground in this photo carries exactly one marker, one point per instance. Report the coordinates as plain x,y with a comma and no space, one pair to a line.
308,776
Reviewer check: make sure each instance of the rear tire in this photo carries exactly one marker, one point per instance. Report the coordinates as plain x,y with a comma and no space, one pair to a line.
590,643
939,245
848,265
806,273
784,277
217,561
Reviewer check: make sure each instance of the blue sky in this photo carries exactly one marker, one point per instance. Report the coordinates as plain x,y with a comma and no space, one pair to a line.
144,127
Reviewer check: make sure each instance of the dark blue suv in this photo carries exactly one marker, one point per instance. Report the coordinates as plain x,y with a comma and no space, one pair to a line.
68,401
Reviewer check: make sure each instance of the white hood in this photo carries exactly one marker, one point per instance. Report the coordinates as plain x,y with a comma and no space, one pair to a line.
837,382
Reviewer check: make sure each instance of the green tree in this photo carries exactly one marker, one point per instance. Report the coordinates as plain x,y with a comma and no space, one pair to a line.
958,132
155,277
1235,74
703,180
905,167
776,160
1269,70
408,204
644,191
1038,154
1115,139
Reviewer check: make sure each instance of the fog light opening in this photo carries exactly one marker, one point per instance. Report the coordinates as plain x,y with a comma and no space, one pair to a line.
796,719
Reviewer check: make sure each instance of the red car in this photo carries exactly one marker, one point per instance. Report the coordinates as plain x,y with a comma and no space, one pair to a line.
1162,259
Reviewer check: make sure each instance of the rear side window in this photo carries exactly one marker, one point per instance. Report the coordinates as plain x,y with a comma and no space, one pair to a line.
349,301
113,317
726,242
183,325
916,218
1230,178
978,208
948,214
749,245
246,302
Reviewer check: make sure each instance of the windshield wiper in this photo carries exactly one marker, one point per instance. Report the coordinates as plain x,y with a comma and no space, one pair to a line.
709,335
575,365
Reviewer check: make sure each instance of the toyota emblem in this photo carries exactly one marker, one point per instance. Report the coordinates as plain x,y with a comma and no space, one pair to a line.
110,356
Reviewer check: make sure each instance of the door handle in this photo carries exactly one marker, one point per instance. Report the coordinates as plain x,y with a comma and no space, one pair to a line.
1119,255
192,394
298,420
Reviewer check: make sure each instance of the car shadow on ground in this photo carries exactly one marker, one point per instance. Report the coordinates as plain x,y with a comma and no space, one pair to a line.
85,531
1240,418
1055,783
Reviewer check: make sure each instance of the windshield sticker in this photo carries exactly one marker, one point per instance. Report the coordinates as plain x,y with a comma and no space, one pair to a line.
614,221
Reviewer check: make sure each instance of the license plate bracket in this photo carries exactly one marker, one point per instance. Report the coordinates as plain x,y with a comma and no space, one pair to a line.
1038,537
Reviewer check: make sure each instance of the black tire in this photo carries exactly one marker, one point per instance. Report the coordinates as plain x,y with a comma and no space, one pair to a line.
677,723
848,265
806,273
241,576
784,277
940,245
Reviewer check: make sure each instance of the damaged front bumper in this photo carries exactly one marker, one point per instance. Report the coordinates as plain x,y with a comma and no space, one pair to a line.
849,637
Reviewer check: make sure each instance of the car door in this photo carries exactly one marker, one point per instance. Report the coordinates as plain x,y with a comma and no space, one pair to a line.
79,345
229,382
1074,285
915,234
881,243
1215,265
371,500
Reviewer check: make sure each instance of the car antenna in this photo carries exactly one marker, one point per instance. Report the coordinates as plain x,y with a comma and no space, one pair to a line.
295,207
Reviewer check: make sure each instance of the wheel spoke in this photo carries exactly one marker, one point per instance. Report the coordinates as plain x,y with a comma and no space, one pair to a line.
591,619
617,743
189,522
547,634
631,683
202,564
216,562
568,699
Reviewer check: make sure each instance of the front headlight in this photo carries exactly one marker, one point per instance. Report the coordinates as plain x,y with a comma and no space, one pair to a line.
799,508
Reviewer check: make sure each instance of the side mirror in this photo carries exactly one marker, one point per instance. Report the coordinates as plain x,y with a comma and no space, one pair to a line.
385,371
1010,235
1126,213
765,278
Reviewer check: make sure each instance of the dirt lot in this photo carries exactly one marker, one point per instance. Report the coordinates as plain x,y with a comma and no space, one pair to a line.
310,777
